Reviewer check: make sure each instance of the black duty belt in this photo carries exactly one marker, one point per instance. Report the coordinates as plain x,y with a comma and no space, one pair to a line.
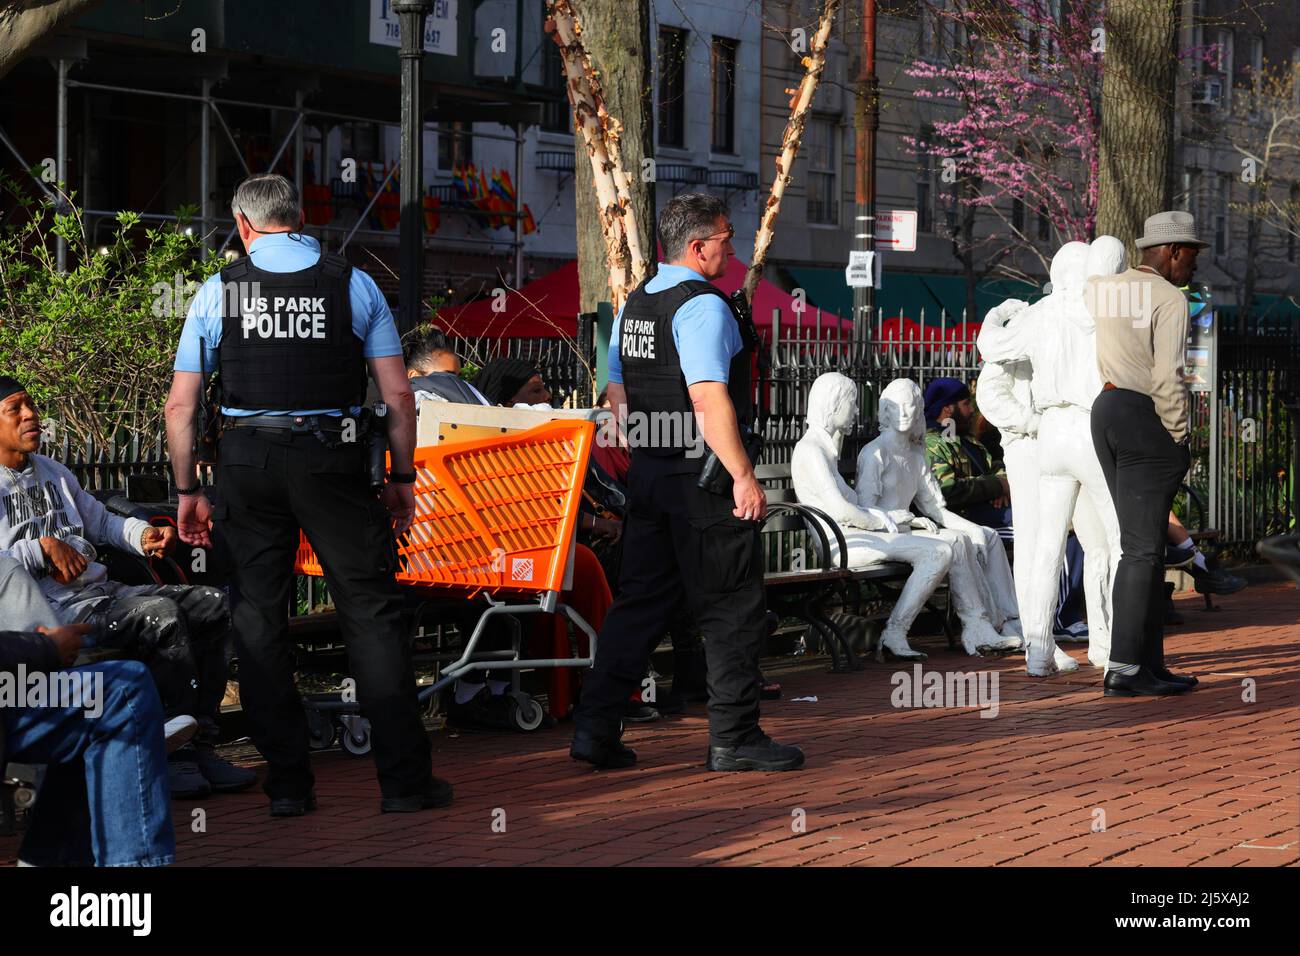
304,424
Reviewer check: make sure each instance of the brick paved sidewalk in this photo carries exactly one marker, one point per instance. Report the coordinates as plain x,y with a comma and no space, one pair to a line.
1060,776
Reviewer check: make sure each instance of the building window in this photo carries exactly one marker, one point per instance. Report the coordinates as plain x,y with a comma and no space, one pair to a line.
924,182
360,141
1224,64
724,95
823,190
1221,222
672,87
455,145
1044,225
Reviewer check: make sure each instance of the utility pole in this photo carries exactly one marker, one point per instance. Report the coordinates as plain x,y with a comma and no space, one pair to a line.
866,123
410,255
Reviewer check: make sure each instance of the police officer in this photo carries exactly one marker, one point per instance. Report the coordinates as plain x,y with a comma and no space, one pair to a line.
293,332
677,357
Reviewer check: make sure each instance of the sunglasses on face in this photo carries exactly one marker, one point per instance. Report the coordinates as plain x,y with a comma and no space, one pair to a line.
726,236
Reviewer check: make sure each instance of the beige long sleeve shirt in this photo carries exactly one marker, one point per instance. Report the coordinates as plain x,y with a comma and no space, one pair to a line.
1142,340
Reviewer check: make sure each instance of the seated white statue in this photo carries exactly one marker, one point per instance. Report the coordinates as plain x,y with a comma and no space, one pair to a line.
871,535
894,477
814,468
1056,336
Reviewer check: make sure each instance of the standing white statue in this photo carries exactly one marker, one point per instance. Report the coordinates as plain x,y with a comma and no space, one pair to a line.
1056,336
894,478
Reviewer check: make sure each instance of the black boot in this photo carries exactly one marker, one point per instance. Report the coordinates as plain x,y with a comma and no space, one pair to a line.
597,742
763,753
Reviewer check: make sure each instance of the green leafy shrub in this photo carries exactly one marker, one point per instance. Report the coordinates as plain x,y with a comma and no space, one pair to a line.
94,344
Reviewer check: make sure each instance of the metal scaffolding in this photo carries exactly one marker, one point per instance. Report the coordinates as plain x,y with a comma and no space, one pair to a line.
210,107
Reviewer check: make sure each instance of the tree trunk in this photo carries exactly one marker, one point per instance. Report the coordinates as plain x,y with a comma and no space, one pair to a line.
24,23
1137,114
617,40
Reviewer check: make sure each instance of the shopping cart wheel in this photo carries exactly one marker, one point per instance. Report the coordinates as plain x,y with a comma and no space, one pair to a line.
525,712
356,734
321,732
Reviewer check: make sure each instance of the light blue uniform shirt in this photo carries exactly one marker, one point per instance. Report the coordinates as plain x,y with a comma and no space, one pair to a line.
704,331
372,320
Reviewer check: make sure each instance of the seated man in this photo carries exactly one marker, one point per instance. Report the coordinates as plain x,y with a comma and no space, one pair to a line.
104,797
975,485
52,528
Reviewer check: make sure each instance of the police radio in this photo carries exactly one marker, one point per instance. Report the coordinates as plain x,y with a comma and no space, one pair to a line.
376,438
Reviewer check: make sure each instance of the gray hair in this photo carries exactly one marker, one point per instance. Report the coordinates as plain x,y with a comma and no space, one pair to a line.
687,217
267,199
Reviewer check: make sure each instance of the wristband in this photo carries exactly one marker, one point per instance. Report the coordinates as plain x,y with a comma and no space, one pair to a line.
401,477
189,491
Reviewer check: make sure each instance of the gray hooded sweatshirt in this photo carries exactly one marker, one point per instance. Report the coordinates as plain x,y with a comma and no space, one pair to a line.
44,499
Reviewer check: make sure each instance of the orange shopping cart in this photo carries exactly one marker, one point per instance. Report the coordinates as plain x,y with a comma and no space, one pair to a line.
495,518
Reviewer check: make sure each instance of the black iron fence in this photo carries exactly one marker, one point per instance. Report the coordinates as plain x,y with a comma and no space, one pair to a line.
1246,471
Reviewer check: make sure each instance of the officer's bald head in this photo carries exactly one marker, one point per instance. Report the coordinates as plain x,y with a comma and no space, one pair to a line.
269,202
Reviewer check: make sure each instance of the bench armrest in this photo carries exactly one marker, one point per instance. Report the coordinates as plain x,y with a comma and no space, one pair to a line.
808,513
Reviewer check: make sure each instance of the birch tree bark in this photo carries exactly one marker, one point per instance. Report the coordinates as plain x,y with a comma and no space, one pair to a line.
605,46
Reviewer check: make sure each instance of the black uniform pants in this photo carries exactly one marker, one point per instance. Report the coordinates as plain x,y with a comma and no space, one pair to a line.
271,482
682,544
1143,466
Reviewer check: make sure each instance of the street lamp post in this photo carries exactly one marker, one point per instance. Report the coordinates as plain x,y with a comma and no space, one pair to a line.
410,256
867,122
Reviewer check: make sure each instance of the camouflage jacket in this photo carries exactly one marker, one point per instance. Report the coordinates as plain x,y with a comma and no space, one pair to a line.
962,483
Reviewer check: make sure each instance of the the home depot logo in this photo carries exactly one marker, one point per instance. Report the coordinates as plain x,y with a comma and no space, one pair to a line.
521,569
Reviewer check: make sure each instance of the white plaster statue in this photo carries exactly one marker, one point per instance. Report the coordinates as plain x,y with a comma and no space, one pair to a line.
1005,400
877,520
1057,337
814,468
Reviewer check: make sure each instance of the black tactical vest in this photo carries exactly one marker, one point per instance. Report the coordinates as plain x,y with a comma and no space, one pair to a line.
652,368
286,338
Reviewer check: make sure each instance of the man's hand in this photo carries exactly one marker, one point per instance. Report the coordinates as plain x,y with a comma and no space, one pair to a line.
65,561
194,519
922,523
67,639
751,503
399,499
609,528
158,541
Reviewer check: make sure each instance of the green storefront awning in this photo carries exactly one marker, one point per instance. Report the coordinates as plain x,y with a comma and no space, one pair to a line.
908,293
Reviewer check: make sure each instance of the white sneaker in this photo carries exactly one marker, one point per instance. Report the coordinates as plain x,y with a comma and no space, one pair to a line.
179,731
